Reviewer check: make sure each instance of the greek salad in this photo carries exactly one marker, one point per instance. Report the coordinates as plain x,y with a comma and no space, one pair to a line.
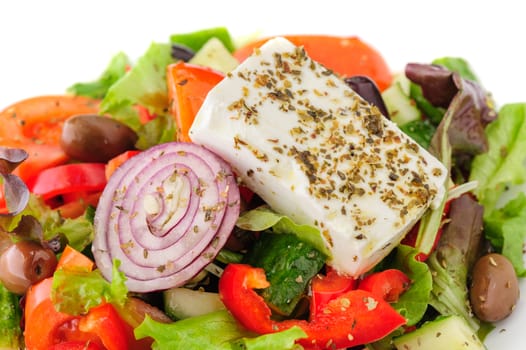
289,192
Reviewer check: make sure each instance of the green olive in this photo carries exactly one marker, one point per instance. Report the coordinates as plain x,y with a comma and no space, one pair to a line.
25,263
494,288
95,138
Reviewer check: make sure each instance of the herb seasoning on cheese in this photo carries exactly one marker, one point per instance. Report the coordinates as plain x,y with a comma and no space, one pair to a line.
315,151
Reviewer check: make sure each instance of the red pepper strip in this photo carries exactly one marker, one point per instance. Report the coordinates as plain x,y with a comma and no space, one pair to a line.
411,237
68,178
387,284
354,318
236,288
104,321
76,345
324,288
188,85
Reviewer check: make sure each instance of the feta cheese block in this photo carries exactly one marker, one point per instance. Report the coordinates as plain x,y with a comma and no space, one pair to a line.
315,151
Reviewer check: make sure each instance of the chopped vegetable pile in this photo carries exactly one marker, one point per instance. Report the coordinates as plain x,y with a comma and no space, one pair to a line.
289,193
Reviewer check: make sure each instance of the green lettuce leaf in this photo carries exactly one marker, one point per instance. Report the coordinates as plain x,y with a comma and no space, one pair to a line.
98,88
144,84
75,291
503,164
506,230
214,331
78,232
263,218
158,130
459,65
413,303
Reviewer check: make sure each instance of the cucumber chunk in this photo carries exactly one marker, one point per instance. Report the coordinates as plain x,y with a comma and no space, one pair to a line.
448,332
181,303
10,314
215,55
401,107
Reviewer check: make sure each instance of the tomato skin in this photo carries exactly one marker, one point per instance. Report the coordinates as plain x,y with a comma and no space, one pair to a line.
188,85
347,56
35,124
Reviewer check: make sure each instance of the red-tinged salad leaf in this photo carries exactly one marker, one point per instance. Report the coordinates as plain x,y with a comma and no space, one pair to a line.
469,103
75,290
215,331
367,89
57,231
15,192
98,88
449,262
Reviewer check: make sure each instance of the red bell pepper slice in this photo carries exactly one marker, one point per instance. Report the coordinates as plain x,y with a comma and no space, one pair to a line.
101,328
387,284
354,318
69,178
188,85
76,345
104,321
326,287
411,238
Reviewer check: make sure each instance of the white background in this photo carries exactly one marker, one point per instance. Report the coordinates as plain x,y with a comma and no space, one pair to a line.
45,46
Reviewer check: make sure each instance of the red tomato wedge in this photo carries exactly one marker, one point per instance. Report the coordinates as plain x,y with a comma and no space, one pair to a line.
347,56
188,85
35,124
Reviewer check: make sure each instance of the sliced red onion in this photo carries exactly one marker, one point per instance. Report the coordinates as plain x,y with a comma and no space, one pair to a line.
165,214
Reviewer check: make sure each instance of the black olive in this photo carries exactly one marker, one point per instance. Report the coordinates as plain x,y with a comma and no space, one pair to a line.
95,138
25,263
181,52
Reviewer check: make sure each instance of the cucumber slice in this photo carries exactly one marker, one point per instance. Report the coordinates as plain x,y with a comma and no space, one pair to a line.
181,303
449,332
402,109
215,55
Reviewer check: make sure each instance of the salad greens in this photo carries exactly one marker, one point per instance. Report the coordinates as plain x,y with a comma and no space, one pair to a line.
480,144
75,291
216,330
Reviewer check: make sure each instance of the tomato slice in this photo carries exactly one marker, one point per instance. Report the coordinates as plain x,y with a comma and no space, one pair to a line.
35,125
347,56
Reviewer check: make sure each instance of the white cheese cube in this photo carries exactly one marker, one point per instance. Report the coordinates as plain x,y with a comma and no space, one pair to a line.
315,151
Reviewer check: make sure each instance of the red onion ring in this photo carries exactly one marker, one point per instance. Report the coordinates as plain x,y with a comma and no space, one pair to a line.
165,214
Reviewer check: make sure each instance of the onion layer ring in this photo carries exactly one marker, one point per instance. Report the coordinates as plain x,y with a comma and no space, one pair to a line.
165,214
